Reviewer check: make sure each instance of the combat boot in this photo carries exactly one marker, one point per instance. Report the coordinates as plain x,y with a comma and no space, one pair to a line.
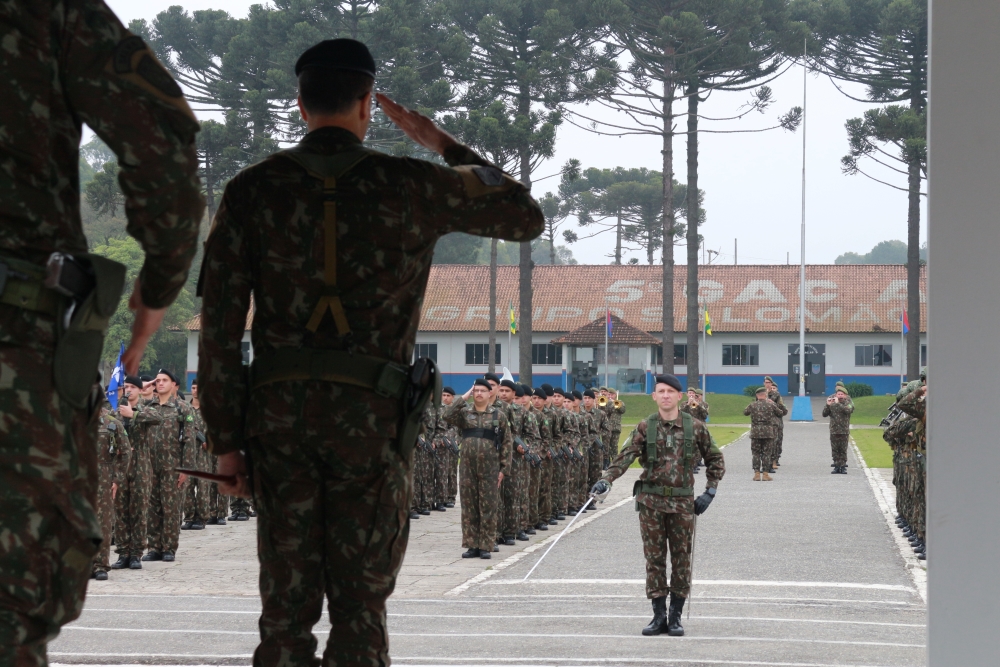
523,536
659,623
765,477
530,531
542,526
674,627
152,555
168,556
508,541
186,525
121,563
471,553
756,477
100,575
134,563
221,521
197,525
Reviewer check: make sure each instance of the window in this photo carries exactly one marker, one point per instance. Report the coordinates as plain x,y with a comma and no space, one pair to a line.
617,355
680,355
923,355
476,353
429,350
873,355
546,355
740,355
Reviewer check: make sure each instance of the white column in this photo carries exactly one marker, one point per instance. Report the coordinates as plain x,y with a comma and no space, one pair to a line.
964,320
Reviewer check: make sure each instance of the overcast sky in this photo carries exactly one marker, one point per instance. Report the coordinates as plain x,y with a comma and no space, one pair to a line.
752,181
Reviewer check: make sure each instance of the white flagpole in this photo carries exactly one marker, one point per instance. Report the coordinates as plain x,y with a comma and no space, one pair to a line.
802,255
703,357
510,338
607,316
902,349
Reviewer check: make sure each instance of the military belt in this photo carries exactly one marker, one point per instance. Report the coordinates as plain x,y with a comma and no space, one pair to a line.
487,433
668,491
385,378
21,286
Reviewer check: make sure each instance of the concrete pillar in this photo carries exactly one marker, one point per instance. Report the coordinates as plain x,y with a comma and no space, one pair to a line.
963,324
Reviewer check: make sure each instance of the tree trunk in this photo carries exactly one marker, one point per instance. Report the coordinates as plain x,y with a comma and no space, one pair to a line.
618,239
209,188
668,217
491,359
552,245
525,291
913,271
693,319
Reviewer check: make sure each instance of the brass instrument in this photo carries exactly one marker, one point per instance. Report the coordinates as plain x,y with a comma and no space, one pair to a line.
618,404
602,401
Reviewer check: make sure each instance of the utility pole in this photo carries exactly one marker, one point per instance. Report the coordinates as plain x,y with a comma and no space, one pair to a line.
735,254
802,407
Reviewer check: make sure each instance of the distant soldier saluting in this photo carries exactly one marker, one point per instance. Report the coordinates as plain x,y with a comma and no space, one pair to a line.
335,242
64,63
664,496
839,408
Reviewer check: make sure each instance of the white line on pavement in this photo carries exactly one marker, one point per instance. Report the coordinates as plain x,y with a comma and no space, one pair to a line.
645,616
510,560
557,635
546,662
913,564
714,582
700,598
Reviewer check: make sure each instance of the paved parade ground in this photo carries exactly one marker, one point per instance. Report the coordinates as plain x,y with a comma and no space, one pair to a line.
802,571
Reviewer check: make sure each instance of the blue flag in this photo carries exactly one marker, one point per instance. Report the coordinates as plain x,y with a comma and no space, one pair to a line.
117,379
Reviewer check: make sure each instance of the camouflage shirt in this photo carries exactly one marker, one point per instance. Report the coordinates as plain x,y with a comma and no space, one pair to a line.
465,416
699,411
840,416
68,62
113,447
763,415
168,432
615,415
268,239
668,469
775,397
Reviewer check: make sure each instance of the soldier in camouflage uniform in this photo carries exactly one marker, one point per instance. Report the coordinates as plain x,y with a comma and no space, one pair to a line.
545,450
839,408
65,63
196,499
167,427
335,241
665,499
615,418
600,431
113,455
531,434
132,498
774,396
514,482
452,437
423,467
487,445
695,404
914,405
762,412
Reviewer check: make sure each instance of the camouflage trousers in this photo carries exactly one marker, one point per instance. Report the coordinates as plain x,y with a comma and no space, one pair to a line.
333,522
132,504
595,465
218,504
580,487
105,515
440,460
838,444
612,448
48,491
198,491
452,469
163,529
513,483
778,440
545,491
240,505
666,535
423,479
533,514
558,476
760,453
477,478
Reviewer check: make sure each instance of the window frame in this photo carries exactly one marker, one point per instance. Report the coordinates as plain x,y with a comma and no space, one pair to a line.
873,355
431,349
552,354
482,348
748,355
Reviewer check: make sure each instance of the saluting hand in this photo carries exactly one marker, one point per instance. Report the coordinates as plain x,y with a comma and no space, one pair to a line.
416,126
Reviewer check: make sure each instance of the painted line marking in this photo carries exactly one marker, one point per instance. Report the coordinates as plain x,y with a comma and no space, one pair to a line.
714,582
546,662
700,598
914,565
645,616
555,635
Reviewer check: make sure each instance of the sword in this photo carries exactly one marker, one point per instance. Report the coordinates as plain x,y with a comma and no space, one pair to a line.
210,476
589,500
694,534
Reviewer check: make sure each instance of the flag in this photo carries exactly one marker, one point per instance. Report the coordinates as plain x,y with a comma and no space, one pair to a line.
611,325
513,322
117,379
906,322
708,324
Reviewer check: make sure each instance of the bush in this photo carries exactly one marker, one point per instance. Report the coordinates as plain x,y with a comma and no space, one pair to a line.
751,390
859,389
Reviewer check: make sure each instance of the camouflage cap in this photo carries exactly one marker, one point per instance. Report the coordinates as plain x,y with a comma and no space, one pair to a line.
767,378
761,390
923,373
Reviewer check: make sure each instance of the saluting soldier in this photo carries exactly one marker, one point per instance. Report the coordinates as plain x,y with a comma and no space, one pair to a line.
335,241
62,64
666,444
487,445
763,413
774,396
839,408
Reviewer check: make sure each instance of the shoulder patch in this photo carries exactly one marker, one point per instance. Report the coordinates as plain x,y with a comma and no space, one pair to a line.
190,418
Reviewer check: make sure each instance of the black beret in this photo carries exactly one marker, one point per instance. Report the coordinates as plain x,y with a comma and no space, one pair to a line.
509,384
577,395
146,378
134,380
557,390
589,394
448,390
492,376
341,53
519,391
540,393
482,383
547,388
164,371
527,388
669,380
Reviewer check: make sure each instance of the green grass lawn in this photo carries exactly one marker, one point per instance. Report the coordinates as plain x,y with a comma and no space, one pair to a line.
873,448
723,436
725,408
871,409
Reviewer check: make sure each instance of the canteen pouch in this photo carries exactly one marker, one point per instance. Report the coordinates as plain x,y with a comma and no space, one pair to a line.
79,345
424,385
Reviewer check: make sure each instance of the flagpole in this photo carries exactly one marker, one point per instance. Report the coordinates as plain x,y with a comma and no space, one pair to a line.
802,254
607,318
510,336
703,357
902,348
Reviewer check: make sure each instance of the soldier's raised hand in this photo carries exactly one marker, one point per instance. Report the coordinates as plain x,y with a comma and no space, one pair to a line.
416,126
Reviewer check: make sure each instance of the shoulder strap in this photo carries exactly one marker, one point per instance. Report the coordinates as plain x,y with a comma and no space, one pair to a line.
652,421
328,168
687,422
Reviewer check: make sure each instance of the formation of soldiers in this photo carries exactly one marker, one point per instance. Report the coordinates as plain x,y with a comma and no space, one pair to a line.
766,430
141,498
906,433
529,457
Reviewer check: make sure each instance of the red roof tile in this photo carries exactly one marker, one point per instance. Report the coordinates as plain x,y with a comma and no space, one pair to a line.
593,333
